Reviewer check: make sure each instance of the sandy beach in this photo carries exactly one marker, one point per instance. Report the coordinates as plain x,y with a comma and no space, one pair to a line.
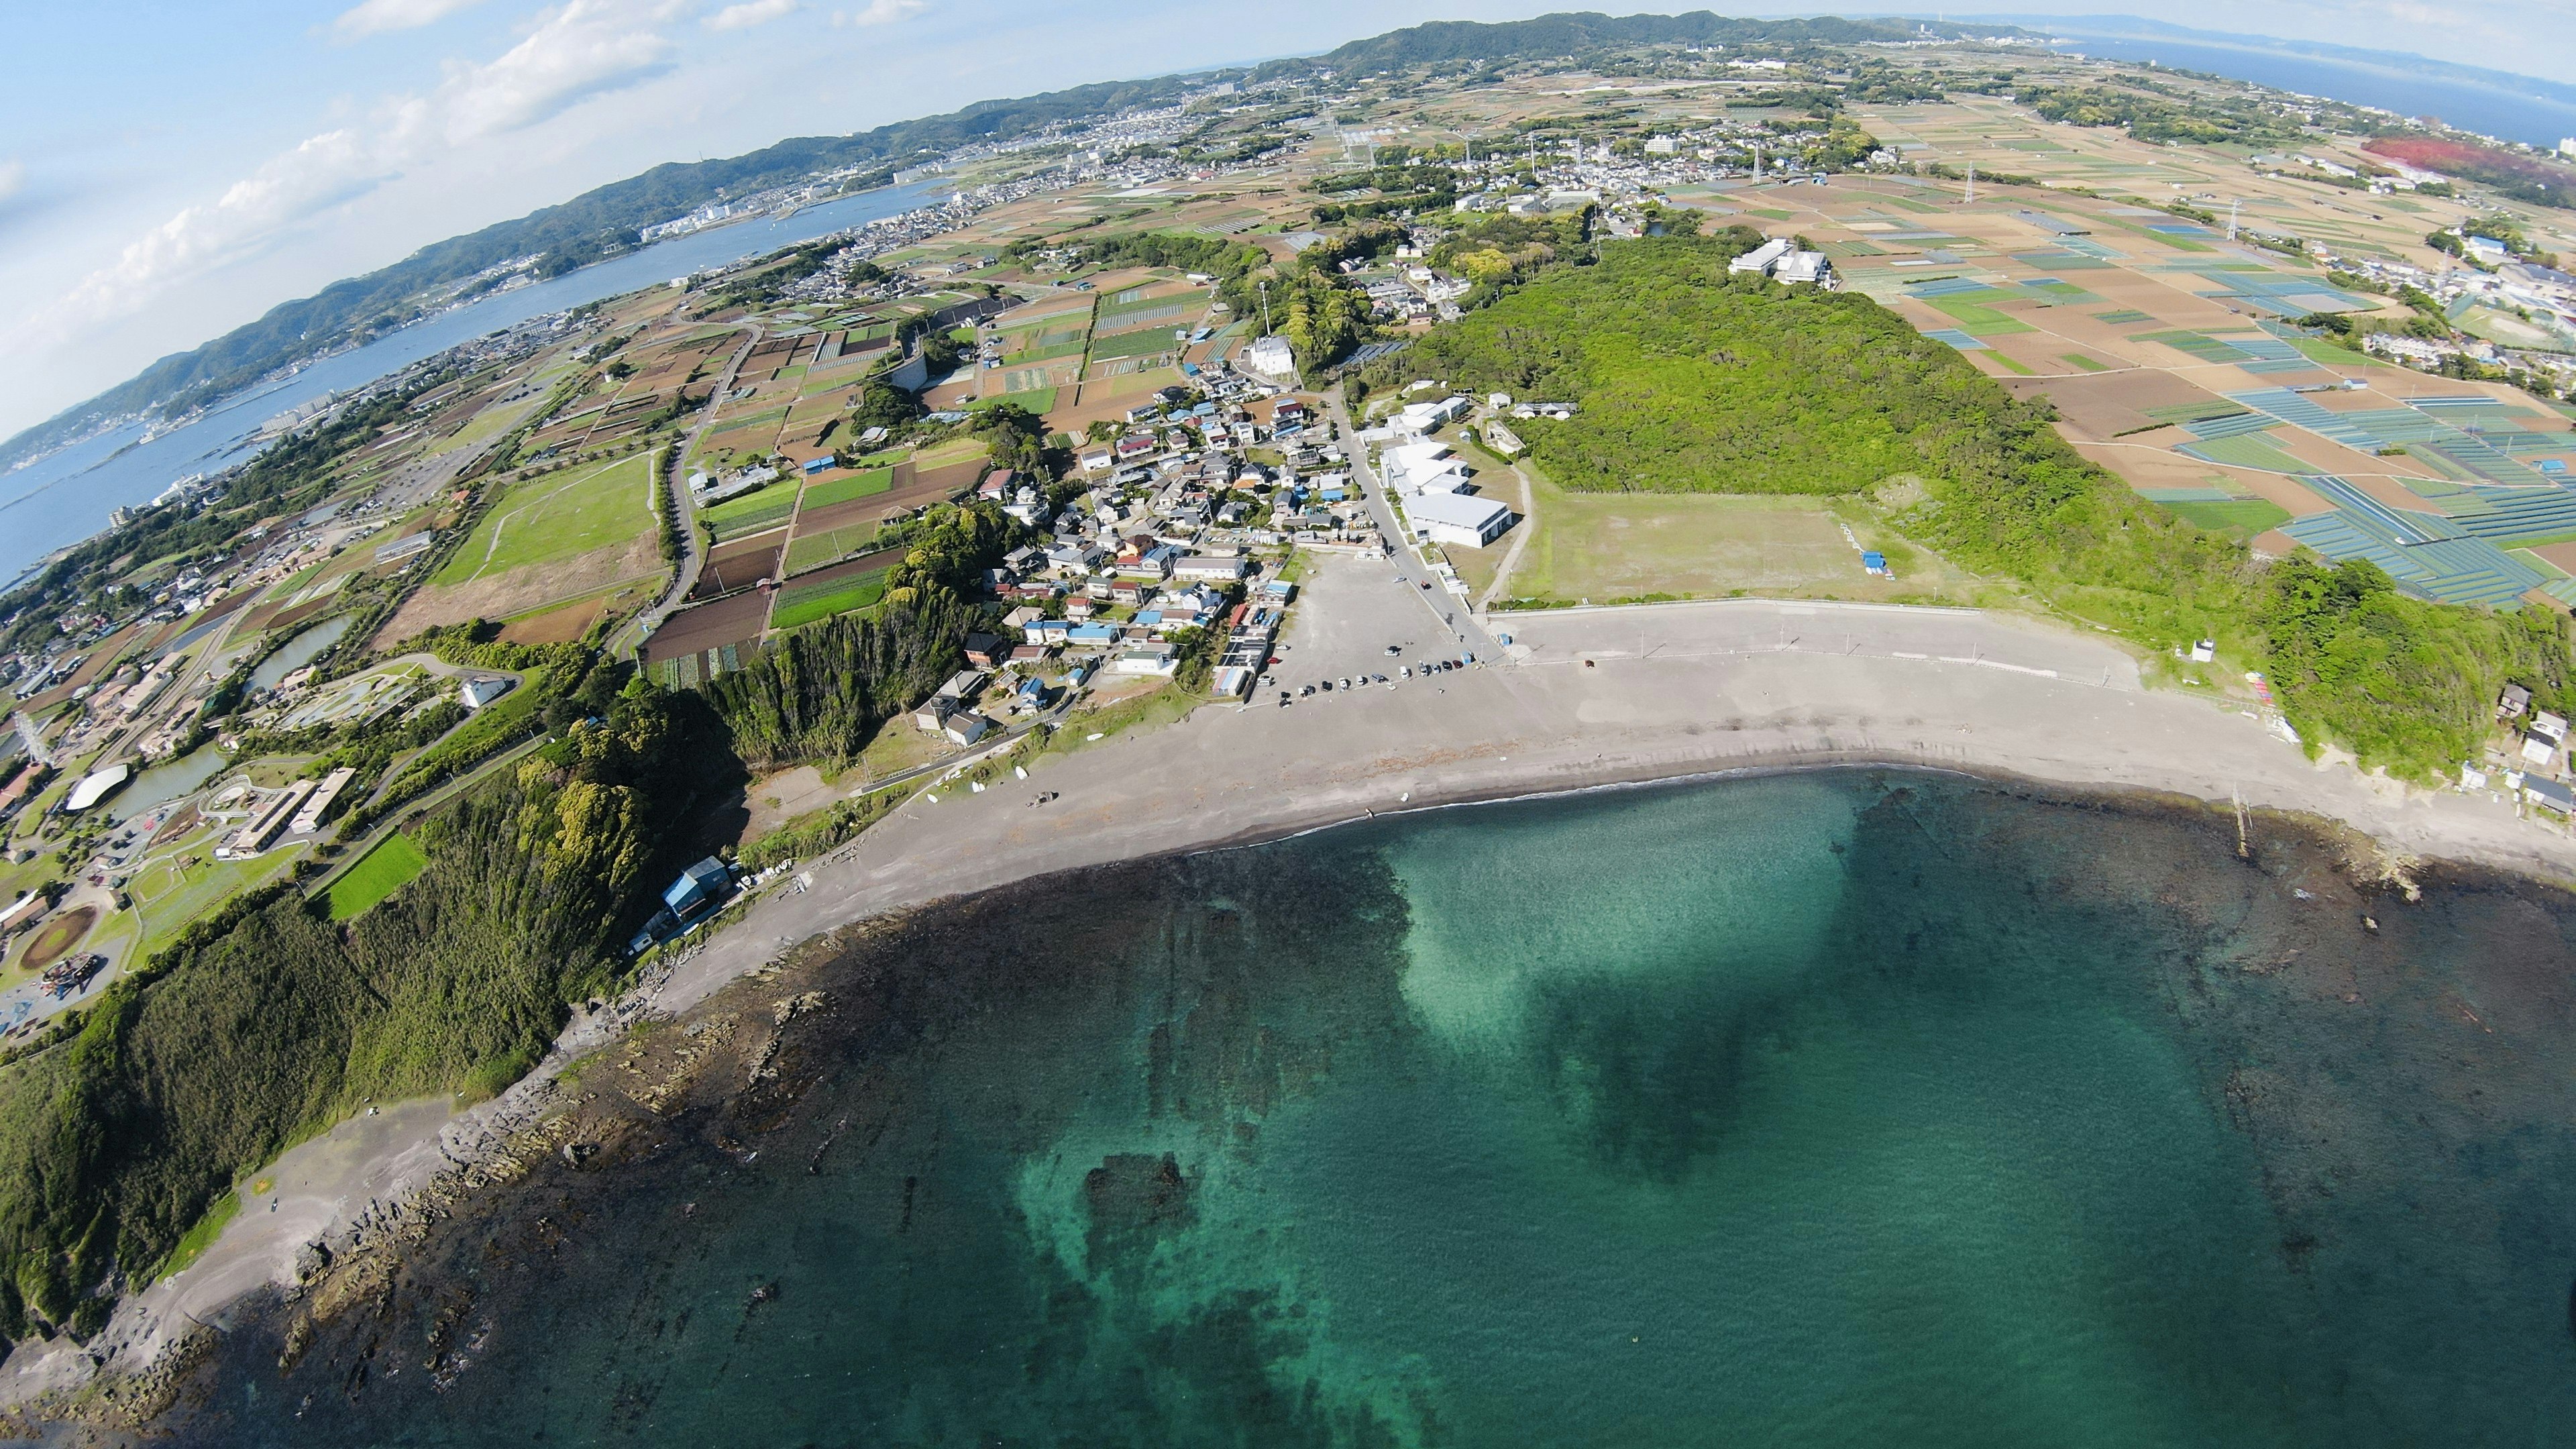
1588,698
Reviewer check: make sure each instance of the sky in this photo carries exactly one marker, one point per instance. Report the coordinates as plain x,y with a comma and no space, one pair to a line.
169,171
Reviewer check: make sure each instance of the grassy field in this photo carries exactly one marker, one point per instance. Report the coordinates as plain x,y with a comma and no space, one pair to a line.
856,485
805,606
1606,546
740,517
381,872
812,551
171,896
555,517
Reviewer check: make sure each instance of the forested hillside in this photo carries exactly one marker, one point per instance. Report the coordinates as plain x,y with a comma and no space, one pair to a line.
1692,380
820,693
266,1021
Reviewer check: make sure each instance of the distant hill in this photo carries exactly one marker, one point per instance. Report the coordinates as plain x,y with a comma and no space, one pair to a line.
596,224
1574,33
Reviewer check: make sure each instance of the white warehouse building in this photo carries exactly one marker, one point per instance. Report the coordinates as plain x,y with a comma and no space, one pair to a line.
1458,518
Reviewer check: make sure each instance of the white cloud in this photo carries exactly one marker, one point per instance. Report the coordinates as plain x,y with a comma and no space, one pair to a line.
881,12
328,169
13,177
750,13
577,50
374,17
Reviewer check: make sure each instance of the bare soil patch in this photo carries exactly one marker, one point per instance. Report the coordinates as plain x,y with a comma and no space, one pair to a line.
57,937
525,590
555,626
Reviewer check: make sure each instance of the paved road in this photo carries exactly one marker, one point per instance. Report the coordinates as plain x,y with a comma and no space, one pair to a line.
631,637
1449,613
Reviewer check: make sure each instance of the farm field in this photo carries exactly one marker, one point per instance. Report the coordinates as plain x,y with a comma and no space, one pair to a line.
555,517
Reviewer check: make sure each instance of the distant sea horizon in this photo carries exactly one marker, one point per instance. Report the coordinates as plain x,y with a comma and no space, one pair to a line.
2501,104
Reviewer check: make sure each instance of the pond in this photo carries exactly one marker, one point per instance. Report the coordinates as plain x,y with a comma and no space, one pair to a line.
301,650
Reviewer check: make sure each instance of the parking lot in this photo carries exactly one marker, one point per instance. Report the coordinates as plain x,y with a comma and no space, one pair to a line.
1375,603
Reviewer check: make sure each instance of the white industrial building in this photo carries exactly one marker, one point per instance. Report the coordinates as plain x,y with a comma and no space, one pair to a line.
1269,357
1456,518
476,693
1762,258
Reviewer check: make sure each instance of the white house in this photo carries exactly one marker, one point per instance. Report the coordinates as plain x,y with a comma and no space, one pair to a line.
1805,267
476,693
1202,566
1458,519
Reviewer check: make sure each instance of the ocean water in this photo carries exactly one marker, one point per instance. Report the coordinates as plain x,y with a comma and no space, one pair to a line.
67,496
1856,1107
2493,103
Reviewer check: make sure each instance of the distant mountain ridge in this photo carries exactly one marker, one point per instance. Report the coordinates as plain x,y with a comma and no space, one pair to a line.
596,224
1575,32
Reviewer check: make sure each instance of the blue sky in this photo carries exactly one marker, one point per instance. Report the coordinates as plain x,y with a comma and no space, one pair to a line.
169,171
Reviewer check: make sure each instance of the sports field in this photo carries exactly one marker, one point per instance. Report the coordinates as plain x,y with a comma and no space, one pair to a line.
382,871
1609,546
556,517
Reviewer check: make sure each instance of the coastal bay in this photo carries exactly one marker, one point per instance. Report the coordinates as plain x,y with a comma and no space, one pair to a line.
1844,1104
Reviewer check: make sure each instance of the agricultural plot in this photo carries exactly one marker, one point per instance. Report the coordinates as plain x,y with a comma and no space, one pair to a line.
753,513
2171,351
555,517
853,585
863,484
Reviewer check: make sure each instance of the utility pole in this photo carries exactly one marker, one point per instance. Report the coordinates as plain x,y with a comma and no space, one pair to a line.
1265,306
1971,198
2231,219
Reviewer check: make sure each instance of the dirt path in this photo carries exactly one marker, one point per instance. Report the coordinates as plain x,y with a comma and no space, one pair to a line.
693,554
1520,540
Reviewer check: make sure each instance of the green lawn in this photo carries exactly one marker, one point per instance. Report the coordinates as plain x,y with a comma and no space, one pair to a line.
1609,546
382,871
556,517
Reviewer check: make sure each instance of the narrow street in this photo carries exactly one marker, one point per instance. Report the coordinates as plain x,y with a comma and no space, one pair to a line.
1449,613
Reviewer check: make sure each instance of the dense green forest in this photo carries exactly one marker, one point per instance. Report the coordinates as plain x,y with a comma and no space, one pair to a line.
265,1022
1692,380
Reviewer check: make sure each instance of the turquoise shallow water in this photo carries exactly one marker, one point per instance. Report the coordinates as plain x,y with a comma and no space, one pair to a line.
1841,1108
